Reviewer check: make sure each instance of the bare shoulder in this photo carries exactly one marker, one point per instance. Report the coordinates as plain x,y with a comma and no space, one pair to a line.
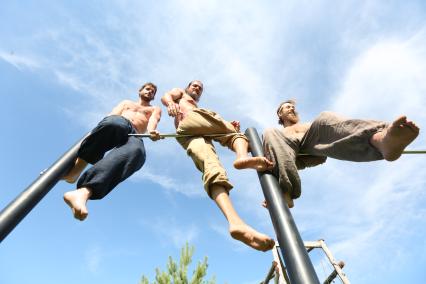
126,102
156,109
177,91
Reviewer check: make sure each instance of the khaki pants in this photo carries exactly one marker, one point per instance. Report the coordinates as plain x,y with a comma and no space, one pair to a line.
201,149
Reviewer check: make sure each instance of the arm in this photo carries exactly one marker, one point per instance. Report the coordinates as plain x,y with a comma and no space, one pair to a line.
171,100
154,119
153,122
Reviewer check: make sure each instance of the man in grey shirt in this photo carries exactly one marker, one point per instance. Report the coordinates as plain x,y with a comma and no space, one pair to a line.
329,135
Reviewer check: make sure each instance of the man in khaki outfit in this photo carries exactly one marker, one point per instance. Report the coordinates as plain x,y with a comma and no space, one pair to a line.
330,135
201,124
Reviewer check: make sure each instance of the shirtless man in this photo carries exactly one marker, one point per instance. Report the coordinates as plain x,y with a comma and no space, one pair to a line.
330,135
191,120
127,154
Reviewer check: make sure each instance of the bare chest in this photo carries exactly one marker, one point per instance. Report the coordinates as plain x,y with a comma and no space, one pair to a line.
137,110
187,101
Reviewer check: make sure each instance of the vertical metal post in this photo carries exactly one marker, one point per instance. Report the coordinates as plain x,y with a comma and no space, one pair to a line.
13,213
299,266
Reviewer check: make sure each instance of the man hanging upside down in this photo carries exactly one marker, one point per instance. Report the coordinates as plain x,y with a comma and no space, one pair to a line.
191,120
127,154
330,135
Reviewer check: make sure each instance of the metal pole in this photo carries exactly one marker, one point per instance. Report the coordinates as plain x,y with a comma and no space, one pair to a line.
13,213
333,275
270,273
299,266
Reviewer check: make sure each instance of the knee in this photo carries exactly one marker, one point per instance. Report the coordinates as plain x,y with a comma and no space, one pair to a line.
327,115
137,153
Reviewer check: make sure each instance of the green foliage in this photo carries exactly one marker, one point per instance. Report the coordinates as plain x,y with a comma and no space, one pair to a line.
177,273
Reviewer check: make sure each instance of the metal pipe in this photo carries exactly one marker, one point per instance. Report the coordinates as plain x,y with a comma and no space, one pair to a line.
13,213
270,273
175,135
333,274
299,266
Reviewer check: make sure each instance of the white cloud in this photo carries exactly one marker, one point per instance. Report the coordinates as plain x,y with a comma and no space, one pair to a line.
21,62
386,80
168,182
94,258
169,231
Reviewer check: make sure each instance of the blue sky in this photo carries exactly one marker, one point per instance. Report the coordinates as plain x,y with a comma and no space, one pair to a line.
63,66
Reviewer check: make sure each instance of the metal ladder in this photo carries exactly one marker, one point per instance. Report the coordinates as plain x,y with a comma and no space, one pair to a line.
278,271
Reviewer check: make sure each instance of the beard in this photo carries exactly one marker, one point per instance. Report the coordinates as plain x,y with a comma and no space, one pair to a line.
193,95
291,117
294,118
147,98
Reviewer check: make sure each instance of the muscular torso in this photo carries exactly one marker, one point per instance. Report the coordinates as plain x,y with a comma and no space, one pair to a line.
137,114
186,104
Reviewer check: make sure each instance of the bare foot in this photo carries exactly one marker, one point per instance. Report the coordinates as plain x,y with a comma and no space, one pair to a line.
258,163
251,237
76,170
77,200
392,141
287,198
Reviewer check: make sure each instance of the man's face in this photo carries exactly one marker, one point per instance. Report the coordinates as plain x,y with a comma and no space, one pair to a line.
195,90
147,93
288,113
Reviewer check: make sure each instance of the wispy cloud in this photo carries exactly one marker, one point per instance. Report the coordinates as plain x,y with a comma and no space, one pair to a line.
94,256
169,182
386,79
170,231
21,62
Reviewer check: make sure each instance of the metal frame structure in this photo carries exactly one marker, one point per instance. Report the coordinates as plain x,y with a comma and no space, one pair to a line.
280,270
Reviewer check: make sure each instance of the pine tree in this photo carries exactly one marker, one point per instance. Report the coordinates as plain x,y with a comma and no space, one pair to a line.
177,273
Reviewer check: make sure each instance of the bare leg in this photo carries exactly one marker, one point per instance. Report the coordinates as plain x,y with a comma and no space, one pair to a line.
244,161
76,170
237,228
77,199
392,141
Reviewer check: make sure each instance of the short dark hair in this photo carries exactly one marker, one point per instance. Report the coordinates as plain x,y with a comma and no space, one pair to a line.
293,102
149,84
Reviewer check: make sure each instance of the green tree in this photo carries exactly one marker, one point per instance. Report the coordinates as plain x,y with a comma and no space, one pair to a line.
177,273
